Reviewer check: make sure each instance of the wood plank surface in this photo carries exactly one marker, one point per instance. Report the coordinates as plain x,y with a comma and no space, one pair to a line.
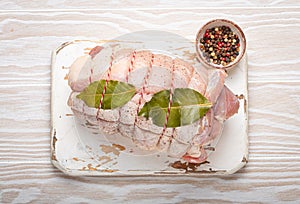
32,181
24,34
125,4
26,41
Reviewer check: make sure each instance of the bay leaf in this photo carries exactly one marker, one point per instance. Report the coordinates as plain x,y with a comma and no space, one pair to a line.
187,107
116,95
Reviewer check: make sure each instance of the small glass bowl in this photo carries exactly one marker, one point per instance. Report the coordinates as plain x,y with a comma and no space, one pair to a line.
235,29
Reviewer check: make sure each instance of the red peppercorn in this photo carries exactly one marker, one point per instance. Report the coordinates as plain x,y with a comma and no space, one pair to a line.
218,45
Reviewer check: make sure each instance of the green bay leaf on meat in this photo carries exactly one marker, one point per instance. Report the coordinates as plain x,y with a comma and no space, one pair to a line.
116,95
187,107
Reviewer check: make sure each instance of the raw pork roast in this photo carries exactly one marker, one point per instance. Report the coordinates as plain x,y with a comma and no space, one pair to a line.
151,73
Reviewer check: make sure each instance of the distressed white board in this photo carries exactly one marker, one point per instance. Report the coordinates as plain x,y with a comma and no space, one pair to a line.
76,150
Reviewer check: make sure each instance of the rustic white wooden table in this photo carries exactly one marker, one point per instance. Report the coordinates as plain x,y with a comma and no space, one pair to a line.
30,30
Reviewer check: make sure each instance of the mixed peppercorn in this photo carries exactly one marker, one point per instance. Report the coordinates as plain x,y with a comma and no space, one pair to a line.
220,45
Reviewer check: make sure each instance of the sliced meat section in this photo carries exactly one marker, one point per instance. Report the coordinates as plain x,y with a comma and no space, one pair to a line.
177,149
204,129
87,69
161,73
215,84
216,131
196,154
182,73
227,105
199,80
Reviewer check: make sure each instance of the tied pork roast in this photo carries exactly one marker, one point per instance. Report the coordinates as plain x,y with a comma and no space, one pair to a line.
161,103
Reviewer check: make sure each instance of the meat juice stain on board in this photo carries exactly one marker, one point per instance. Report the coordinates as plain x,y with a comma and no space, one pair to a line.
114,148
187,166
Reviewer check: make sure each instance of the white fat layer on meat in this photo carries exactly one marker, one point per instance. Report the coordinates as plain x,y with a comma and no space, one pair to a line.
126,130
79,105
128,112
101,62
180,81
220,108
160,77
216,130
108,127
186,133
80,72
119,70
145,139
89,120
205,125
148,125
215,84
140,67
85,69
164,143
136,77
202,72
197,83
182,73
177,149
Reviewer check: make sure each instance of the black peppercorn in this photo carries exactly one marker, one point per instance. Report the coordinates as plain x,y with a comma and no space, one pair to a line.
220,45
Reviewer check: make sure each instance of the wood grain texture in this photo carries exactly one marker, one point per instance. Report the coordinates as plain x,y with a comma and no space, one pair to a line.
125,4
246,186
27,33
26,40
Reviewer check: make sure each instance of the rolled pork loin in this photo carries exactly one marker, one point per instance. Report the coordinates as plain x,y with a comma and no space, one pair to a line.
150,73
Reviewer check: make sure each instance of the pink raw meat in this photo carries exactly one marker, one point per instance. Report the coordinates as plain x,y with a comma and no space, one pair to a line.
149,73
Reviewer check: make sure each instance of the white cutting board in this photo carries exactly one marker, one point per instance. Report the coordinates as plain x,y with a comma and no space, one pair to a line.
75,150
